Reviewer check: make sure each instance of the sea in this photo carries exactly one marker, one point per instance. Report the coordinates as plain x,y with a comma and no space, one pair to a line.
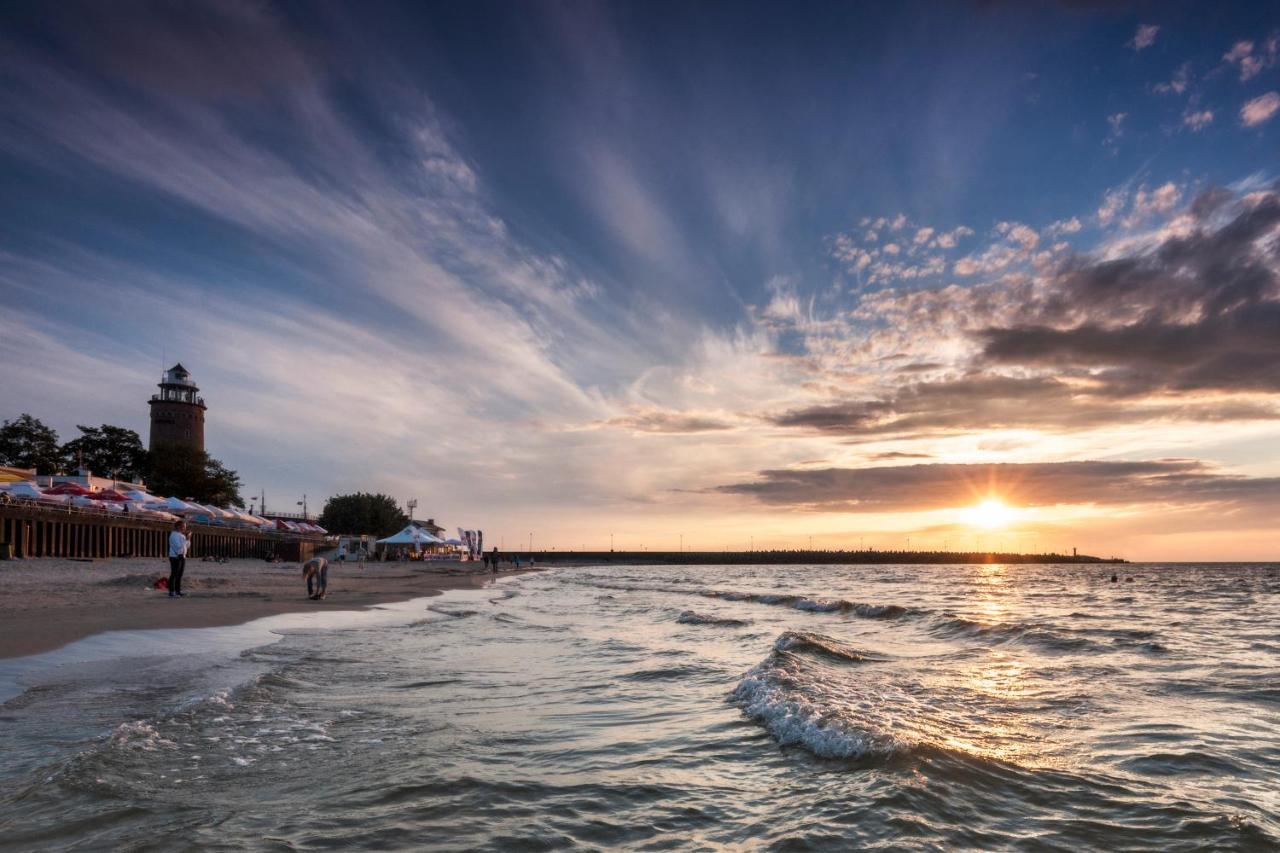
980,707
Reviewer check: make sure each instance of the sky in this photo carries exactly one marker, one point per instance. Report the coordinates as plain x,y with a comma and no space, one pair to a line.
709,275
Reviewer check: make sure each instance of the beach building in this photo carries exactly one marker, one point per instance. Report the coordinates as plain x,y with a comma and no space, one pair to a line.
87,480
430,526
177,412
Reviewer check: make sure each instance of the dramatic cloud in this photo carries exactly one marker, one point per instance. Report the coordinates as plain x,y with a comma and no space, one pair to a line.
1198,310
912,488
1260,109
1003,402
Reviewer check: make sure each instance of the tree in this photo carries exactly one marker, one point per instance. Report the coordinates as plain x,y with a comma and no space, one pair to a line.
25,442
107,450
361,513
187,473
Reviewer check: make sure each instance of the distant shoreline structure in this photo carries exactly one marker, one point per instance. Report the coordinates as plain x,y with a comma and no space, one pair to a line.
783,558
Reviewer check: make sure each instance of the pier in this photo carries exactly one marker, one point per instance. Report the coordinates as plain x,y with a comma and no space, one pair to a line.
801,557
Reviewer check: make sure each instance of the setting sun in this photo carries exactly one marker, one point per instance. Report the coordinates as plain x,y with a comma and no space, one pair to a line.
990,514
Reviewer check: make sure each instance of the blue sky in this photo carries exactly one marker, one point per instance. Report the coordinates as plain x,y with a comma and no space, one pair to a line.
649,266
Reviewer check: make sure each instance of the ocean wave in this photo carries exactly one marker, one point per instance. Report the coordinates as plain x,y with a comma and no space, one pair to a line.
1182,763
952,626
417,685
692,617
667,673
447,611
792,708
818,605
810,603
804,641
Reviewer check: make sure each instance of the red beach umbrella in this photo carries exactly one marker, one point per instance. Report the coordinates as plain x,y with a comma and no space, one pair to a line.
108,495
68,489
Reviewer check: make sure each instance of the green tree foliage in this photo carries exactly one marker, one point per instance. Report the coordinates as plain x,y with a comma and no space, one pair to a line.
25,442
192,474
107,451
379,515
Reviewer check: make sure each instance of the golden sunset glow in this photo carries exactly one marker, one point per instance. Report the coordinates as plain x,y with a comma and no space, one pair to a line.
991,514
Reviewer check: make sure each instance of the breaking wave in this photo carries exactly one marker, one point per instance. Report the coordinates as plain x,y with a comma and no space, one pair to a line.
798,709
810,603
692,617
818,605
804,641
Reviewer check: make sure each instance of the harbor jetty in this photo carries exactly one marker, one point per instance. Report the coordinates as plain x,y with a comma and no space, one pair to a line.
800,557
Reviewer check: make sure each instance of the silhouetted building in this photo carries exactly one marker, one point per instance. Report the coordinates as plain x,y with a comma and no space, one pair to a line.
177,412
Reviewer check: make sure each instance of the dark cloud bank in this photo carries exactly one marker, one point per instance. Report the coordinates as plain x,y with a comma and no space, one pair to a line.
1193,318
924,487
1199,312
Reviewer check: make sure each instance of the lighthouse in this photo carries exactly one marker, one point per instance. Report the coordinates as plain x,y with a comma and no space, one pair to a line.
177,412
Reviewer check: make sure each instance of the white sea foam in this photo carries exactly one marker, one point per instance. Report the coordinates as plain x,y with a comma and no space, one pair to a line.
797,716
139,736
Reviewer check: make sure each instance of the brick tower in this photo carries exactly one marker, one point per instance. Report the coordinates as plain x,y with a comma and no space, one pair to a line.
177,412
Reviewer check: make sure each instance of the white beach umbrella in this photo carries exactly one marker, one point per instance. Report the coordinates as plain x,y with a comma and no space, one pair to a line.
176,506
24,489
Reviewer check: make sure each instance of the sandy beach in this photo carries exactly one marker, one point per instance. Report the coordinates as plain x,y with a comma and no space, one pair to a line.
45,604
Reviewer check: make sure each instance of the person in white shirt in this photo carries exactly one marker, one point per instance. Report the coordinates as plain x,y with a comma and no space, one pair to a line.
178,545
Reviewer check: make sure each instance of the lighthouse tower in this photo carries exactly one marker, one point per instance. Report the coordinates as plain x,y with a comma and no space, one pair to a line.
177,412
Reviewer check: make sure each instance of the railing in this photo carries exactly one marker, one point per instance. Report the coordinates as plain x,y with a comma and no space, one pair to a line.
166,398
86,512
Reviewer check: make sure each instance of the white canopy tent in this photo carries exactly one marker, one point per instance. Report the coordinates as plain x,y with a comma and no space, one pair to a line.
412,535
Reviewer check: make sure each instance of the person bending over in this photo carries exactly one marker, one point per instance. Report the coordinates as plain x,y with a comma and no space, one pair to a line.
316,570
178,545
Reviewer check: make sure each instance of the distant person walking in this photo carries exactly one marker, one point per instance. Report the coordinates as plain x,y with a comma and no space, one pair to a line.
179,543
316,569
493,558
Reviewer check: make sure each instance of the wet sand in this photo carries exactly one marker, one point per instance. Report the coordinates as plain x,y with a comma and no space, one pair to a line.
45,604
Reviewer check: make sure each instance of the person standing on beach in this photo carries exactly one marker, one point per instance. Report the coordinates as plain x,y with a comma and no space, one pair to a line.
179,543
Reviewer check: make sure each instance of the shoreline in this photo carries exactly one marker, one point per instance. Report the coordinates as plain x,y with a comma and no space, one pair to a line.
46,604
